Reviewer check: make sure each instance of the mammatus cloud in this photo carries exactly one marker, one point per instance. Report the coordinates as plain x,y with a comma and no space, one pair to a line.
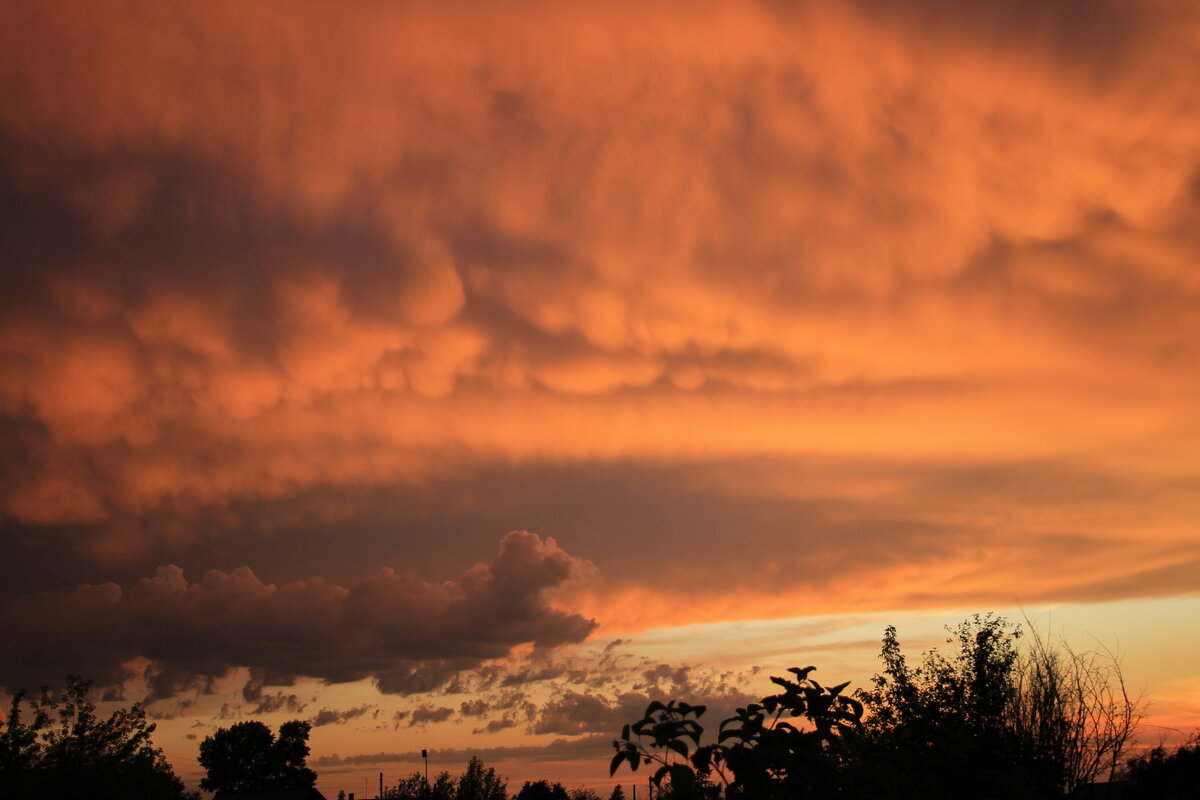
488,247
391,248
383,624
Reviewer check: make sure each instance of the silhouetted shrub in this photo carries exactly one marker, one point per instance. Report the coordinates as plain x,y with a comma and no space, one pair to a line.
759,753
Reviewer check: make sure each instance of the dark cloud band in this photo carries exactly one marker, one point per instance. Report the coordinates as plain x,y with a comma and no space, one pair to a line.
386,625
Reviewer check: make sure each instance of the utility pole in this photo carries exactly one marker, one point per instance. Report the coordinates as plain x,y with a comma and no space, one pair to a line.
425,755
380,786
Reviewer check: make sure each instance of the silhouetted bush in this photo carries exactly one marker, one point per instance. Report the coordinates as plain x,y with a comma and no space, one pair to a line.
759,752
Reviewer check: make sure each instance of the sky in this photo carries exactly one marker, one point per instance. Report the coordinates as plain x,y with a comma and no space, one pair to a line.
463,375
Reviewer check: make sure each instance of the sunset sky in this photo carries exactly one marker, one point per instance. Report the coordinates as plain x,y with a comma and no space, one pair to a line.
462,375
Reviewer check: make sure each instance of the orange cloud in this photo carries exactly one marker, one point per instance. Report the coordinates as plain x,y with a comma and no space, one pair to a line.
278,257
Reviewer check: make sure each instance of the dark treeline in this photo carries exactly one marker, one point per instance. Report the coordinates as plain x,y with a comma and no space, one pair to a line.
483,783
1000,716
992,720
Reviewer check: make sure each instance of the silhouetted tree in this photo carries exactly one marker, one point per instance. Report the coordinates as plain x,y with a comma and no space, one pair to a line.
1161,775
414,787
444,787
477,783
542,790
247,757
938,729
66,750
617,793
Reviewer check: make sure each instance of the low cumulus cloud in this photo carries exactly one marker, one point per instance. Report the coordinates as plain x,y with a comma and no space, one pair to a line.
425,714
383,624
496,725
473,708
272,703
587,691
333,716
587,710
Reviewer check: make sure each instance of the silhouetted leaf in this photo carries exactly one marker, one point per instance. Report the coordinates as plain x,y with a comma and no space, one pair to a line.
682,778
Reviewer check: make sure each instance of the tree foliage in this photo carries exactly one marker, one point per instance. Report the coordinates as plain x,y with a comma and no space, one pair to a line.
247,757
66,749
